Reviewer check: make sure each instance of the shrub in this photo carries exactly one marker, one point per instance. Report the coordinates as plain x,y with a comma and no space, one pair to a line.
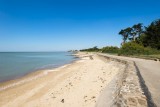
132,48
110,49
94,49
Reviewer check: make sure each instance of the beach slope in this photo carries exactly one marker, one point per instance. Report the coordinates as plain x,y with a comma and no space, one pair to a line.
75,85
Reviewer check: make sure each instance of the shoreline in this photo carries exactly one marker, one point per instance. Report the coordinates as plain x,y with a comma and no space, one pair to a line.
94,80
75,85
32,75
21,64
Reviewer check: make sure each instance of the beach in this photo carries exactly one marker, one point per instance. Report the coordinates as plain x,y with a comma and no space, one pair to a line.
78,84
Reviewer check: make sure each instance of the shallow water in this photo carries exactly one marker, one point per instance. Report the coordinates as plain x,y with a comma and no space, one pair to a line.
17,64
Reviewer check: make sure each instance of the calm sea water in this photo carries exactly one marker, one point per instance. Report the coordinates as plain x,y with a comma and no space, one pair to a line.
17,64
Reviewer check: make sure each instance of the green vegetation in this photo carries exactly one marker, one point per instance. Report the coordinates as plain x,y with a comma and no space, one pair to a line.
107,49
94,49
132,48
110,49
141,40
138,40
152,35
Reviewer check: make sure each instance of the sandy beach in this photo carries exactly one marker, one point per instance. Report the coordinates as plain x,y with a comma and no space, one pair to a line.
74,85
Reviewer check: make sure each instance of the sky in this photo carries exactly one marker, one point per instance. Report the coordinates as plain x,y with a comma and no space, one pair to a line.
60,25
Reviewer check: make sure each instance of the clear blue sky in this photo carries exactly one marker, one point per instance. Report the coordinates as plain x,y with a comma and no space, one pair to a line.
55,25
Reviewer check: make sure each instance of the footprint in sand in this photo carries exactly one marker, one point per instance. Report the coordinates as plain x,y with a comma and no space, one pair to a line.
62,100
85,98
70,84
93,97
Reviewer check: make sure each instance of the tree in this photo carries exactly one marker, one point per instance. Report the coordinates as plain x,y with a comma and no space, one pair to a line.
124,35
94,49
136,30
128,32
152,35
122,32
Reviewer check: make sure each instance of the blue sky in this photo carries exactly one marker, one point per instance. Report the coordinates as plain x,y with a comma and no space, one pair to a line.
56,25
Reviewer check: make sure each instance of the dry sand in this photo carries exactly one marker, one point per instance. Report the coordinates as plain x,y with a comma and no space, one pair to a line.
75,85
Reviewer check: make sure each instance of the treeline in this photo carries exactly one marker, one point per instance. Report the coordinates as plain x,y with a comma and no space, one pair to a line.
94,49
107,49
140,39
147,36
137,40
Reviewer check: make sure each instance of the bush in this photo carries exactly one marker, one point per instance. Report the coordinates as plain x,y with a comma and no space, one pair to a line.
132,48
150,51
94,49
110,49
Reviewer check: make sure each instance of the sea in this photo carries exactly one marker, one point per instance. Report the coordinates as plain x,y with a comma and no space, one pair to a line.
17,64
